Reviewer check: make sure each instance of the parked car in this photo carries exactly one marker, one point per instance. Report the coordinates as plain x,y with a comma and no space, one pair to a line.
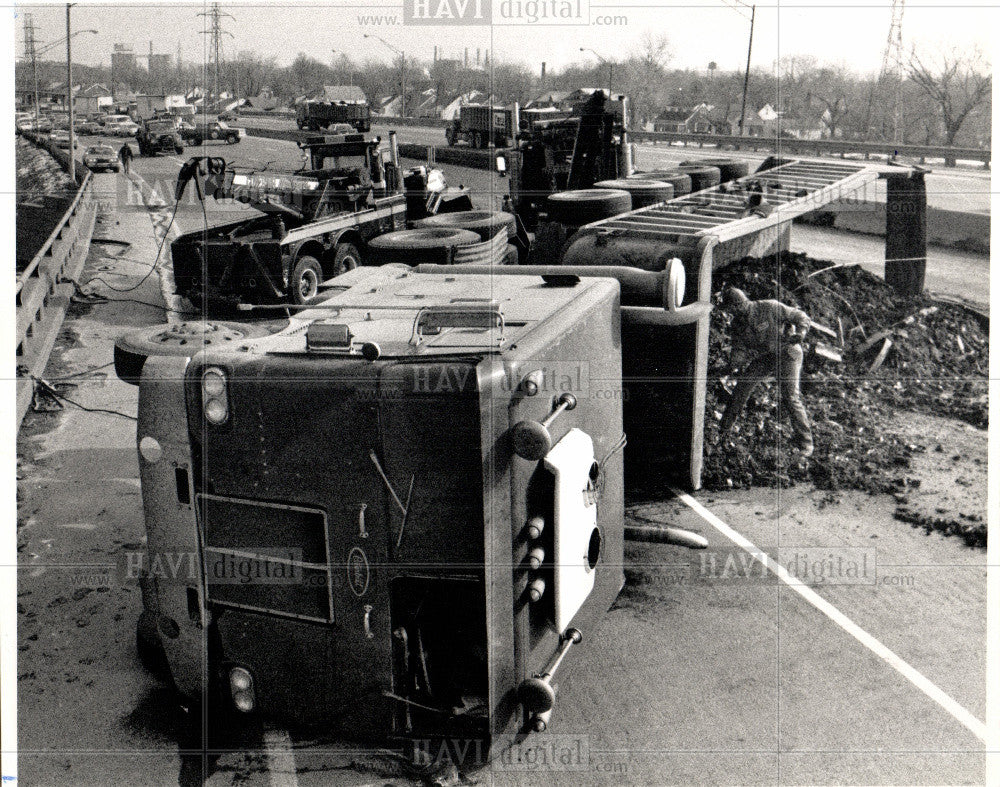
102,158
89,127
121,128
61,138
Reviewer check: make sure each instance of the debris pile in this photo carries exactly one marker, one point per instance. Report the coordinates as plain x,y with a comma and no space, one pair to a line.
872,354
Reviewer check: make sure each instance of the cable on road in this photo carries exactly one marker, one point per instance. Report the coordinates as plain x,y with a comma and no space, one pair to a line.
53,392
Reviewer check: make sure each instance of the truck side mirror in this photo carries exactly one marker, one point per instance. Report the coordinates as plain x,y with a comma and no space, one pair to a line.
502,166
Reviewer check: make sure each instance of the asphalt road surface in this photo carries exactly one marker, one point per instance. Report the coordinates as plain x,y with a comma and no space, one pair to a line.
708,669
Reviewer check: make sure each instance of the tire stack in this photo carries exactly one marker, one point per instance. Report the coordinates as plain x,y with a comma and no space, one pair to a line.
575,208
729,168
642,191
486,224
702,177
427,244
676,178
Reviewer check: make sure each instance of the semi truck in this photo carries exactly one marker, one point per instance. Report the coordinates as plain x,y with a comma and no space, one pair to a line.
320,115
312,224
483,126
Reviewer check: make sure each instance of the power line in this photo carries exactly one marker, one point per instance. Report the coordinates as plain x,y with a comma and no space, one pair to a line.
215,16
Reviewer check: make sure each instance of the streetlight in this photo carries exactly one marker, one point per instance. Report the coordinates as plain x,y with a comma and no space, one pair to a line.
42,51
608,63
69,92
402,71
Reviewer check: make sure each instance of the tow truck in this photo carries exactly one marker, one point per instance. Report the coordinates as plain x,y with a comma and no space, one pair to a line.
312,225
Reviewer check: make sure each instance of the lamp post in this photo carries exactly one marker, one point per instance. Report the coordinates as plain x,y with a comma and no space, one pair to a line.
402,71
608,63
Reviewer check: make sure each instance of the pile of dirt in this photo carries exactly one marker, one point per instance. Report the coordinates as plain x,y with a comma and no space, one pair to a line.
898,355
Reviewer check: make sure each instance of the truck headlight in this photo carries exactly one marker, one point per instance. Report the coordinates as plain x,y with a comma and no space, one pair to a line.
215,402
241,688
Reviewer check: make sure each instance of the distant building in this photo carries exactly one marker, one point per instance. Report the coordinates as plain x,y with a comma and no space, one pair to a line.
93,99
685,120
342,94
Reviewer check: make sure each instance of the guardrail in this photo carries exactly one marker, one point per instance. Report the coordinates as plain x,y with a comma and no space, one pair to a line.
819,147
43,288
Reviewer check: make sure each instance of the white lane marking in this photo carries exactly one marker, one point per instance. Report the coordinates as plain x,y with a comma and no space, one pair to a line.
281,768
959,713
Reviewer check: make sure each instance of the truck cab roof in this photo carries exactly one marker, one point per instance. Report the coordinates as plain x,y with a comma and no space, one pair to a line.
408,315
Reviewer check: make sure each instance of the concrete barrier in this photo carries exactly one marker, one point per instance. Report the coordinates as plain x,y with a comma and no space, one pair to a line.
44,288
949,228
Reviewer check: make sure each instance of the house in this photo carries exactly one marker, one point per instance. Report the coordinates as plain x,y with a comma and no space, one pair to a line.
424,104
679,120
389,106
264,101
451,110
91,100
552,98
726,120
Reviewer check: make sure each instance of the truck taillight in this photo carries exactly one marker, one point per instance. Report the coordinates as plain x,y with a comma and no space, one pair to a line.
214,393
241,688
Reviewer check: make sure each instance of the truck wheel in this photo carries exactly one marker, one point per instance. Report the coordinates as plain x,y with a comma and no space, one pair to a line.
701,177
232,139
729,168
195,141
346,259
583,206
178,150
307,275
214,134
182,339
643,192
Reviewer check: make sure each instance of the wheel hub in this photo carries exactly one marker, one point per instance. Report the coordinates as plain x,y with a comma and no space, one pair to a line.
202,333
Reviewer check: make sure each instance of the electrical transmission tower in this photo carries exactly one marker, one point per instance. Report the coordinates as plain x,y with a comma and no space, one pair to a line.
214,17
31,53
891,73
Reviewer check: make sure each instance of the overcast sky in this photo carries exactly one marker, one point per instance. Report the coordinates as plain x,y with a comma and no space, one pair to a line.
699,31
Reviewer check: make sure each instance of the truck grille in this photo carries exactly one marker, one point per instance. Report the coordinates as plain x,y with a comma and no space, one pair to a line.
267,557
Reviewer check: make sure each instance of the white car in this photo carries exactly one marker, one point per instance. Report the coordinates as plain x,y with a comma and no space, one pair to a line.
121,128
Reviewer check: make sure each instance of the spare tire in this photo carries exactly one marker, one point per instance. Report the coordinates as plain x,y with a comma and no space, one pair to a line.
676,178
701,177
729,168
483,222
183,339
427,244
642,192
583,206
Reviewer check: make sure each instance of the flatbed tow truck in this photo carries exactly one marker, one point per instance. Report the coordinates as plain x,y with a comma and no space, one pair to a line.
314,224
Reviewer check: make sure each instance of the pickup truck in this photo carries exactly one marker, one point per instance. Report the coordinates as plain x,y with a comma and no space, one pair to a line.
198,131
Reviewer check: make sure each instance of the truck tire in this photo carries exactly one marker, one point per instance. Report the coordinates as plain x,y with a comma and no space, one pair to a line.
643,192
196,140
702,177
346,258
729,168
583,206
306,277
427,244
214,133
232,139
183,339
676,178
483,222
178,150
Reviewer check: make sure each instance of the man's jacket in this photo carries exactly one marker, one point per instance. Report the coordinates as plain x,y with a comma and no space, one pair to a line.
762,327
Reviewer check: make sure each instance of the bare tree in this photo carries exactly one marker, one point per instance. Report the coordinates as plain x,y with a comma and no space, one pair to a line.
958,84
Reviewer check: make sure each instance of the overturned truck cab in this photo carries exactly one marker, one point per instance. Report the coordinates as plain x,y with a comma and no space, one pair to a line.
407,507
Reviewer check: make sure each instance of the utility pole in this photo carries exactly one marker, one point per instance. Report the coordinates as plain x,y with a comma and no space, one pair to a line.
746,76
69,93
30,52
215,16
